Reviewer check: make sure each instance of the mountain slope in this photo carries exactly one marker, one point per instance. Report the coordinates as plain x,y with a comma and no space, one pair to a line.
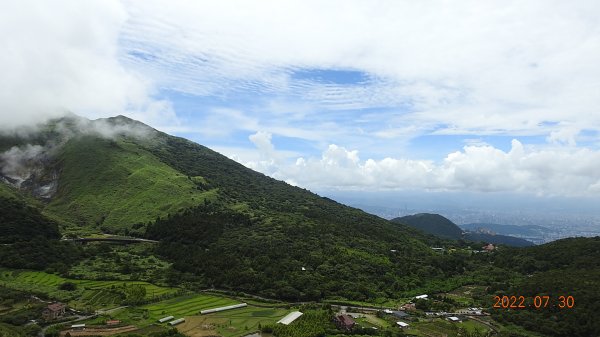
434,224
95,174
114,184
263,233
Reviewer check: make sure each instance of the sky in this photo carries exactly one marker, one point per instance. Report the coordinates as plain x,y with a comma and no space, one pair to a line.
471,96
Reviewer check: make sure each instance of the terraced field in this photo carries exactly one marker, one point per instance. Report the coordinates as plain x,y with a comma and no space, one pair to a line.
97,294
186,305
100,298
151,289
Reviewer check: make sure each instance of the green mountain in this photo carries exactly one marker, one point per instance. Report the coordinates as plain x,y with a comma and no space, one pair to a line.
224,224
433,224
99,174
443,228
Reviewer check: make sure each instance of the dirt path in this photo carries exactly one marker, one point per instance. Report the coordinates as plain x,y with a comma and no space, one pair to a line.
99,331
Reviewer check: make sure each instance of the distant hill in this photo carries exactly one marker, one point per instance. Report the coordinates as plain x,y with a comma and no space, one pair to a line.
433,224
443,228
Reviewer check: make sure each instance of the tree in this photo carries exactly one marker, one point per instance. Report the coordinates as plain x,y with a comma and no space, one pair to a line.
135,294
68,286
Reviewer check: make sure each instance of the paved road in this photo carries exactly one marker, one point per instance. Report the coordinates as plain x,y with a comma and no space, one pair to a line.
115,240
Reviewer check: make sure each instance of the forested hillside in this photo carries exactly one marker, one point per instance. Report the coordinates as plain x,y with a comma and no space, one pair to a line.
29,239
568,267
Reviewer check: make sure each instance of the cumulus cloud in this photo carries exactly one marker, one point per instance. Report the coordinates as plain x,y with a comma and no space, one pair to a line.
543,171
64,56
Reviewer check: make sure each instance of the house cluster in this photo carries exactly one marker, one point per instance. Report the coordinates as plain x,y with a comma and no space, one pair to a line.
54,311
347,321
488,248
471,311
344,322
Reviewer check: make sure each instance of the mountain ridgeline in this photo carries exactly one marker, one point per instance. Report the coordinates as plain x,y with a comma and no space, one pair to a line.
443,228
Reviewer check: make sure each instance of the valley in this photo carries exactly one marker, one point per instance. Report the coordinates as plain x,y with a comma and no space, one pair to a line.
94,303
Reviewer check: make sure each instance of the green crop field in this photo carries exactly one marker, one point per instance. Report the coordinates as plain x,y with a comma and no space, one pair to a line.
231,323
186,305
100,298
438,327
241,321
96,294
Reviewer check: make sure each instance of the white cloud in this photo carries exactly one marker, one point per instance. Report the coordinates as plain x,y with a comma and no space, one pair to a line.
63,56
559,171
473,67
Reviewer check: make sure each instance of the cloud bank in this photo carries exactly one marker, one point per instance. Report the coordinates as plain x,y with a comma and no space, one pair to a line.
63,56
547,171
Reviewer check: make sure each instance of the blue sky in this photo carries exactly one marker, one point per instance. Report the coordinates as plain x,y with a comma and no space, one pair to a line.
494,97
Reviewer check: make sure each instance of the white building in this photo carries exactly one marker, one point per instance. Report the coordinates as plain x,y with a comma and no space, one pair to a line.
402,325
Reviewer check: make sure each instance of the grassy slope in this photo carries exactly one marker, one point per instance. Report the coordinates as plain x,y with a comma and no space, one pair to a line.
116,184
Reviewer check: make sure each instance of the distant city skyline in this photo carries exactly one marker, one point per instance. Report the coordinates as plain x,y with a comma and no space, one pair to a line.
492,97
564,217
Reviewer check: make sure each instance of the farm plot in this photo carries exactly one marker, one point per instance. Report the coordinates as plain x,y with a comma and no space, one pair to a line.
440,327
101,298
234,323
186,305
